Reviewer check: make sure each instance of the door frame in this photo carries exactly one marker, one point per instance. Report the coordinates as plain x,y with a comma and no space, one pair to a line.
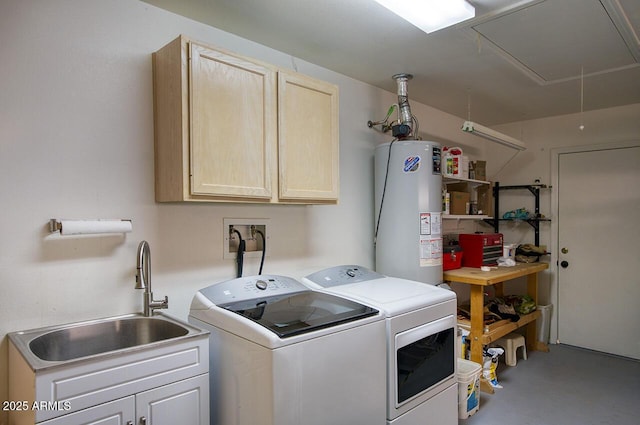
555,247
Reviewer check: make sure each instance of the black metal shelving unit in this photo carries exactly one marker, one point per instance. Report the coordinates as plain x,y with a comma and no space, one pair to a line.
533,221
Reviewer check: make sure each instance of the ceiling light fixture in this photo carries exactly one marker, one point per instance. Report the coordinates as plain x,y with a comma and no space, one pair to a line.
431,15
494,136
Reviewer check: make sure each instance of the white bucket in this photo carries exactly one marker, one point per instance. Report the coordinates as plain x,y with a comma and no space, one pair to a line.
468,388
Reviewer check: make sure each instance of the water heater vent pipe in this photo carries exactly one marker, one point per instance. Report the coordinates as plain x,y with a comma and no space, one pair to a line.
406,126
406,118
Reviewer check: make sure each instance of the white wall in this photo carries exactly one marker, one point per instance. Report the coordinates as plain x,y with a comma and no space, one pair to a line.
76,141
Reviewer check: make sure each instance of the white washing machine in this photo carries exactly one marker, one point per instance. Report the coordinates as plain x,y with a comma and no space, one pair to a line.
421,331
283,354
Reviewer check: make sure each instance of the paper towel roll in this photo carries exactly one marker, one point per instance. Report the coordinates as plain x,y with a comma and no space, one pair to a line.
83,227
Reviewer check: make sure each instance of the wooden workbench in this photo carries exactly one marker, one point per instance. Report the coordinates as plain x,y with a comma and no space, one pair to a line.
478,279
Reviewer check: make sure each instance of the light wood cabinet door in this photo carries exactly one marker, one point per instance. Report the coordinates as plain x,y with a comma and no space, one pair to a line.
308,162
215,125
233,125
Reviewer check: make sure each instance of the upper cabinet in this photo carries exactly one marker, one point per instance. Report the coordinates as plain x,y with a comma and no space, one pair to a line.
230,128
307,138
232,113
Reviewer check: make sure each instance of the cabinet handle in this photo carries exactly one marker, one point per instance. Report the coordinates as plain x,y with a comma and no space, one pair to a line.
143,420
129,422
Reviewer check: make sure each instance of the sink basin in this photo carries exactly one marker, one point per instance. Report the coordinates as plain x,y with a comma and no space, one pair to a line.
89,339
101,337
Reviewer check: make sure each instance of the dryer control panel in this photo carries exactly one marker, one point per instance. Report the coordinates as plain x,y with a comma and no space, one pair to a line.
252,287
343,275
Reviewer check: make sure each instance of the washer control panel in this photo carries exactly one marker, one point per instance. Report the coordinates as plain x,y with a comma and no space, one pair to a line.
343,275
252,287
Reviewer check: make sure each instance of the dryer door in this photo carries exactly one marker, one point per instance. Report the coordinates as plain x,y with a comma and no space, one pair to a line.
295,314
425,356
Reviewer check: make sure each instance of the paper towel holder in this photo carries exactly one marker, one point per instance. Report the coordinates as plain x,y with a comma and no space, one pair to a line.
55,225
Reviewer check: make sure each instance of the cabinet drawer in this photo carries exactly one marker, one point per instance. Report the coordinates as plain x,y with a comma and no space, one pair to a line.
117,412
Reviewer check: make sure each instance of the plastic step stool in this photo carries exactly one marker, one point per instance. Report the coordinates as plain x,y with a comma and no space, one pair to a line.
511,343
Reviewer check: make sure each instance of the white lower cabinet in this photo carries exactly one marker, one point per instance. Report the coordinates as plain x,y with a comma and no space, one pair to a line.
185,402
166,383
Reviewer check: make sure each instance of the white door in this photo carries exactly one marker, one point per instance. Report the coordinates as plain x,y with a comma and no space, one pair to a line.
599,257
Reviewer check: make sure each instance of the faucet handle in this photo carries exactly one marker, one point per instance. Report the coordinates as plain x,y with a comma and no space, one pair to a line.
157,304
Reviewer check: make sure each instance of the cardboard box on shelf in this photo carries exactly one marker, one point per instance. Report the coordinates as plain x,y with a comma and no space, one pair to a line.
479,170
459,203
485,200
459,187
480,195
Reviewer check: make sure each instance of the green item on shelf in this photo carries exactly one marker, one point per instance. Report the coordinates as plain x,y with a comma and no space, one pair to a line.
523,304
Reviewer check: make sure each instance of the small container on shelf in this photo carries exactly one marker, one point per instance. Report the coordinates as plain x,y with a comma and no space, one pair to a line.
452,257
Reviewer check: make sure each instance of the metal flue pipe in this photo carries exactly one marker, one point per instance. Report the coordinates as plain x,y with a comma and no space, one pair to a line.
406,118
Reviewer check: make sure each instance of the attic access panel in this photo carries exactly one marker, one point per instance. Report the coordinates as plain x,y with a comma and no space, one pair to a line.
552,40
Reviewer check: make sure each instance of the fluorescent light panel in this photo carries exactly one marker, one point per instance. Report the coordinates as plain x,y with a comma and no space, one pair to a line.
431,15
494,136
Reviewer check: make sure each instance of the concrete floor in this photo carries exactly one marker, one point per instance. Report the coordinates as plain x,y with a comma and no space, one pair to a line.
567,386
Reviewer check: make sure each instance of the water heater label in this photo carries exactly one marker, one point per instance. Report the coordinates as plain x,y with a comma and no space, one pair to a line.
411,164
430,251
425,224
436,223
430,240
430,223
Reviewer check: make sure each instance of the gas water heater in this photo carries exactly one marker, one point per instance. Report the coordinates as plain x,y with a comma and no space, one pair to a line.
408,199
408,210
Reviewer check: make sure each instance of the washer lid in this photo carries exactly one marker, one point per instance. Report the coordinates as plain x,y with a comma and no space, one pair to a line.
299,313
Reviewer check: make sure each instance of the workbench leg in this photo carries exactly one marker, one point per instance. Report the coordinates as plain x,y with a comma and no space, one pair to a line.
477,322
499,289
477,329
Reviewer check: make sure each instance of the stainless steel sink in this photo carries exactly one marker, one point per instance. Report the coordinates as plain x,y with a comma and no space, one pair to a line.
41,347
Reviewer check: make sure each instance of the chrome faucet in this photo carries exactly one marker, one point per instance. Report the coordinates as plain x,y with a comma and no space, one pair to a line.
143,280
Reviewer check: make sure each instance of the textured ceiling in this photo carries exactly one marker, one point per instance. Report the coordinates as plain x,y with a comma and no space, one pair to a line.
516,60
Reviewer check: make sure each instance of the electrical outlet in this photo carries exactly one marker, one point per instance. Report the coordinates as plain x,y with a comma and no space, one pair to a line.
250,230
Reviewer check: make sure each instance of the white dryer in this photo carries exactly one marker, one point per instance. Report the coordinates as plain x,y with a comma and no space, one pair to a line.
421,331
282,354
